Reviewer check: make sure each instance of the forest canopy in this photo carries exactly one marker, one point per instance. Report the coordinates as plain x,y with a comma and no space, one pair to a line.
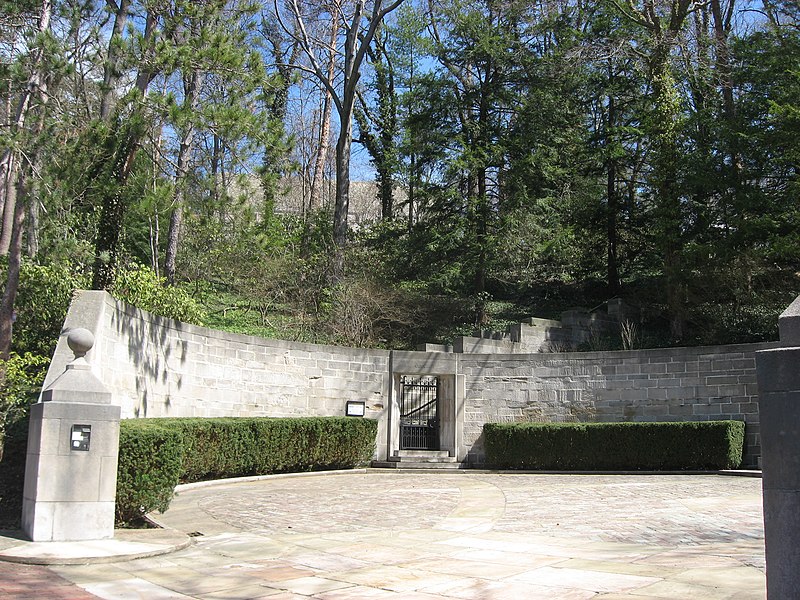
197,157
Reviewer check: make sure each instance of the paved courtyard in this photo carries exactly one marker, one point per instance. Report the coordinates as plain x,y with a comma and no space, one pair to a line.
461,535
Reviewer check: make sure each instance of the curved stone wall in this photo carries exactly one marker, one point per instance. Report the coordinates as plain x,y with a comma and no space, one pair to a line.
158,367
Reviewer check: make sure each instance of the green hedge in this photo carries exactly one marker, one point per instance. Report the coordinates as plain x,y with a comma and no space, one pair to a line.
156,453
615,446
150,461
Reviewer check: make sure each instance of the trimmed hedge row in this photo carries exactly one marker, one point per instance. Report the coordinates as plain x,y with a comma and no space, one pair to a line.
701,445
150,464
155,454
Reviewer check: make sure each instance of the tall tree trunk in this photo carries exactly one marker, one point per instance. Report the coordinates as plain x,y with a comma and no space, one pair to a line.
33,228
9,298
315,199
13,183
669,214
110,74
482,239
9,163
173,233
33,203
612,205
663,31
192,92
9,187
342,196
722,23
412,188
130,132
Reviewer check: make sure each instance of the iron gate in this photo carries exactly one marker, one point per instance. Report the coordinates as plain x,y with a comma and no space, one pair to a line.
419,415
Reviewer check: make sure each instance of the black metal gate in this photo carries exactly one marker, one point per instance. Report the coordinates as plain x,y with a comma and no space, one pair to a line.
419,415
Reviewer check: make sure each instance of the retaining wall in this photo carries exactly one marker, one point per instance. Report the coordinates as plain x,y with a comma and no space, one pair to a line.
674,384
158,367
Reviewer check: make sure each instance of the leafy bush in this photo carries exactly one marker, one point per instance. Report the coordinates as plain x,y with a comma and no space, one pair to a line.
234,447
142,288
150,459
44,296
615,446
154,454
21,378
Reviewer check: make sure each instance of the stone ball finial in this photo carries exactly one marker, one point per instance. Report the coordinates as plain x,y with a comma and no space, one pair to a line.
80,341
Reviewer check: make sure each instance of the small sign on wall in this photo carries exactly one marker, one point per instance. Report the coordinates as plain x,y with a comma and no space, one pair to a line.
355,408
80,437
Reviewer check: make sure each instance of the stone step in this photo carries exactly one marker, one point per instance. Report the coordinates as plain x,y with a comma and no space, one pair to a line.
422,454
423,459
406,464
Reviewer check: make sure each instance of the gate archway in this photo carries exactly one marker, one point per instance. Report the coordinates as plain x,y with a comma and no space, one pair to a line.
419,413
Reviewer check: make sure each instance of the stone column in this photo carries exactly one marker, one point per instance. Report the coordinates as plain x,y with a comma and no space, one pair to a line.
73,444
778,373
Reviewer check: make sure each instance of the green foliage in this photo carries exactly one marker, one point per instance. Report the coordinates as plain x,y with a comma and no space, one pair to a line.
150,459
22,378
45,292
17,7
142,288
615,446
154,454
234,447
536,152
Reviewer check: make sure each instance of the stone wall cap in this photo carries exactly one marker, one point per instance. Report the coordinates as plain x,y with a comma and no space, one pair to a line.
78,379
789,324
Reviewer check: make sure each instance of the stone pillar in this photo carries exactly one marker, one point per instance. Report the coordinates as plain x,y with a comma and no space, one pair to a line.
778,373
73,444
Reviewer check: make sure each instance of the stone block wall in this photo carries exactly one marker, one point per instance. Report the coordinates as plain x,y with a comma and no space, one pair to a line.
674,384
157,367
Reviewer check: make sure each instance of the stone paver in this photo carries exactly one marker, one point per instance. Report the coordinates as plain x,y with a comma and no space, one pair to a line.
461,535
23,582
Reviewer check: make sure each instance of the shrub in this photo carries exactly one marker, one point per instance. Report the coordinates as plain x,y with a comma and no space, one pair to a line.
615,446
44,296
21,379
235,447
150,458
155,454
141,287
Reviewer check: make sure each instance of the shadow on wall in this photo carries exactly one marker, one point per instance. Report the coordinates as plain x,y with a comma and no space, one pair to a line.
152,346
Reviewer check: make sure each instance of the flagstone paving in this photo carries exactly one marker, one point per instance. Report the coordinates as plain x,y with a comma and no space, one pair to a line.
471,536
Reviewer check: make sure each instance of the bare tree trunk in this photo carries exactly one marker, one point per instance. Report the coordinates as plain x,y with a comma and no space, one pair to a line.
8,189
181,170
342,196
12,277
360,31
173,233
6,124
722,23
154,241
315,200
612,200
9,164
